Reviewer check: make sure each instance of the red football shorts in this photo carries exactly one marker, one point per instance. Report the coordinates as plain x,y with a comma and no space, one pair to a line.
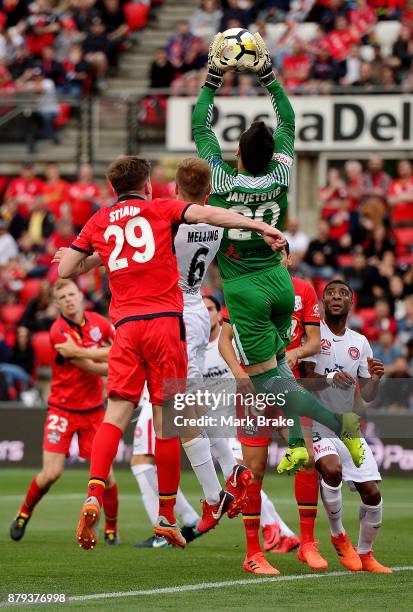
151,350
61,425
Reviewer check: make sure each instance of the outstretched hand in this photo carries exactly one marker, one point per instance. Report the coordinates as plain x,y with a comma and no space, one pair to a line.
274,238
216,48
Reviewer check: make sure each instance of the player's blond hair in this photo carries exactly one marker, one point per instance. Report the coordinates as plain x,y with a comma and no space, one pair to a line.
193,178
61,283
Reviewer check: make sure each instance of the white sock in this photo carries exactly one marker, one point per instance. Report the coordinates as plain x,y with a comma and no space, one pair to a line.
147,480
370,521
333,503
269,515
221,451
187,513
198,452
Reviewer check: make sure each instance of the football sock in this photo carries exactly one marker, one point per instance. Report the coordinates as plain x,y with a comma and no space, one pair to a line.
104,448
110,507
168,465
147,480
198,452
333,503
298,402
33,496
306,495
270,516
187,513
370,522
221,451
251,518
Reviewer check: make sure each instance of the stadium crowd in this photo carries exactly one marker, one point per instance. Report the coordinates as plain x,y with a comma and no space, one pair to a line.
316,44
364,235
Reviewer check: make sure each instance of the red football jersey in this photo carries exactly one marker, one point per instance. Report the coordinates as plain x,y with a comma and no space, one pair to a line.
26,192
306,312
82,196
134,239
72,388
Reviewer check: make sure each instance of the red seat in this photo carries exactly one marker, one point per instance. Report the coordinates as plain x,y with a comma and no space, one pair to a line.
31,289
344,261
136,15
404,239
10,314
402,213
43,350
367,315
63,116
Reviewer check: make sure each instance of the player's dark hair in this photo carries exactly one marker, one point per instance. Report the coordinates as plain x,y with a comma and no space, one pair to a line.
128,174
256,147
214,300
193,178
337,281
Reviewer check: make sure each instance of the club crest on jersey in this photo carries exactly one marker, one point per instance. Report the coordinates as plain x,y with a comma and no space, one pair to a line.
138,432
325,344
95,334
298,302
53,437
354,352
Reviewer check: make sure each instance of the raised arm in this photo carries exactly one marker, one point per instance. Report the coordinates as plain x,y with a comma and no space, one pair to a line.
207,145
85,263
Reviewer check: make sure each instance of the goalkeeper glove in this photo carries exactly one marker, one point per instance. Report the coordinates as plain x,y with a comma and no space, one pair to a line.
263,64
216,68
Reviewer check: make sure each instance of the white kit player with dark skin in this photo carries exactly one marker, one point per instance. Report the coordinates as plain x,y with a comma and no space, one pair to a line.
195,247
344,362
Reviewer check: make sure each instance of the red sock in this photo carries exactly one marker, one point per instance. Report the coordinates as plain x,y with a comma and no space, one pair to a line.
306,494
33,496
168,465
104,448
251,516
110,506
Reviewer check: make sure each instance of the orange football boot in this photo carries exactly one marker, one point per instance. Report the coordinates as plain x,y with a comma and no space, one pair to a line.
347,555
370,564
258,564
89,517
308,553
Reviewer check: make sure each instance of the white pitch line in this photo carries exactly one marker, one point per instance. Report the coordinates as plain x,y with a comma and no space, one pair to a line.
219,585
206,585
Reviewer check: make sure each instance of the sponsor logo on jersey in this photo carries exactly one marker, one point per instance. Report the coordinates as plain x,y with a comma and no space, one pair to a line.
316,310
53,437
354,352
95,334
298,302
325,344
283,159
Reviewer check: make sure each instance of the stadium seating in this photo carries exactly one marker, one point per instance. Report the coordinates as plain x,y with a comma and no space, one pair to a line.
136,15
10,314
43,349
30,289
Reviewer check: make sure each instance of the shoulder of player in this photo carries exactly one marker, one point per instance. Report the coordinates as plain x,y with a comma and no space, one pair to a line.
59,326
94,317
359,338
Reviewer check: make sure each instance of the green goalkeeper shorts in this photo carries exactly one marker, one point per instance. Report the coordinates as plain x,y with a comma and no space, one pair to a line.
260,307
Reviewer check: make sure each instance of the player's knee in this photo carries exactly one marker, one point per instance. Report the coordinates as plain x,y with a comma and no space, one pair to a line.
332,475
371,496
258,469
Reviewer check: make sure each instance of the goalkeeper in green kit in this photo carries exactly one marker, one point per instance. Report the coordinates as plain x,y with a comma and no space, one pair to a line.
258,290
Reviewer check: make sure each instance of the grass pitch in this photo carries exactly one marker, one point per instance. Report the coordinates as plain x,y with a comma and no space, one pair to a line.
48,559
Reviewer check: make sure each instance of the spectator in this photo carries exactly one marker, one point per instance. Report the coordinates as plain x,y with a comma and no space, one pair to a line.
272,45
405,324
339,41
46,109
40,311
323,70
84,14
205,21
363,18
400,194
354,182
364,279
161,186
322,252
386,351
351,66
246,85
335,191
68,36
196,56
296,66
82,196
26,190
383,322
326,13
8,245
388,78
378,244
23,353
162,72
99,50
297,240
232,12
78,72
113,19
56,192
179,44
51,68
375,180
366,81
63,236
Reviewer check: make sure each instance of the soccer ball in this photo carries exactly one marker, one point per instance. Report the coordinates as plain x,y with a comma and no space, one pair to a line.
239,51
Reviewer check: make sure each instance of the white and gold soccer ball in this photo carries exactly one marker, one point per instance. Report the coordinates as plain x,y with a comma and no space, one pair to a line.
239,52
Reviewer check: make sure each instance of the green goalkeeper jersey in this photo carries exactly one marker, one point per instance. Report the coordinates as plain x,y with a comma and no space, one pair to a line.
263,197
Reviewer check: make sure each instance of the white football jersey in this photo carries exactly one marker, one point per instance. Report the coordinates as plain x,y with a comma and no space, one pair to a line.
215,365
195,246
346,353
